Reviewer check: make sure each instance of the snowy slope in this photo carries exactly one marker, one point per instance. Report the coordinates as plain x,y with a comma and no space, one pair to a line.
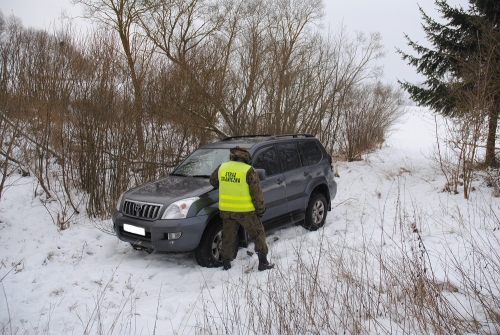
82,280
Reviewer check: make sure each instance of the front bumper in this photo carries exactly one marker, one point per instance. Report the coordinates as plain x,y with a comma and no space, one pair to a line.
157,232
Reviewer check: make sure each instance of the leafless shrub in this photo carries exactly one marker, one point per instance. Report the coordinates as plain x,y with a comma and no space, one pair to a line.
67,101
367,115
457,159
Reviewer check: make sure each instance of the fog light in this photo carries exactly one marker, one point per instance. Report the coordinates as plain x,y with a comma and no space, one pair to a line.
174,236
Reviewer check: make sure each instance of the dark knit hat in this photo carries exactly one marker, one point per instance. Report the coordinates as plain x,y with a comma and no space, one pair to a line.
240,154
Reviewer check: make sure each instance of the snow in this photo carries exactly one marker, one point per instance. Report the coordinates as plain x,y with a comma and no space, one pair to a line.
82,280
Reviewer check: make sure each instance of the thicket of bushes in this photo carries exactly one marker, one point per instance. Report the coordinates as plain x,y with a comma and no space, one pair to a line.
125,102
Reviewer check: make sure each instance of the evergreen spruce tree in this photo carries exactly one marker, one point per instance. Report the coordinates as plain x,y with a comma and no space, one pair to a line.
465,55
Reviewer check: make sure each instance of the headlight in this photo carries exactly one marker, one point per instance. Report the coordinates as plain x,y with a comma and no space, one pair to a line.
119,202
178,209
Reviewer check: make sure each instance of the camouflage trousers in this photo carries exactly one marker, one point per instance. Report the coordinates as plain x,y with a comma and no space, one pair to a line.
231,222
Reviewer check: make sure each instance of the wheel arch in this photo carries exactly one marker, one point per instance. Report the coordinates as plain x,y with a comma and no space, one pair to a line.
319,186
212,218
215,217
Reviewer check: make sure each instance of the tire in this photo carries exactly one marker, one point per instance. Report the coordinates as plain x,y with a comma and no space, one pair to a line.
207,254
315,212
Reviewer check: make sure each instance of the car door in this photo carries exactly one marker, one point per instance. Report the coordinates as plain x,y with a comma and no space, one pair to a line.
274,185
296,175
311,155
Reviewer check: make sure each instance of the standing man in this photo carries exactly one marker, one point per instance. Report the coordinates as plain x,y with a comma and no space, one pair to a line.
241,202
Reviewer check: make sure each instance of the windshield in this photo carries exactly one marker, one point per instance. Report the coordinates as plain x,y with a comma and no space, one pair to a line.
202,162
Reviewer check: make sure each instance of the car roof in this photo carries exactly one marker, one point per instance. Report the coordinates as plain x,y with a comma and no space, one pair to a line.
248,141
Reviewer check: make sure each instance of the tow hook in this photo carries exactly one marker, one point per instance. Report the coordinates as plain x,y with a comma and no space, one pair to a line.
138,247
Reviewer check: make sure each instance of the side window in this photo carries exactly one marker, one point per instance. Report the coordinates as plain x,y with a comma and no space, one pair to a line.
267,159
289,156
310,152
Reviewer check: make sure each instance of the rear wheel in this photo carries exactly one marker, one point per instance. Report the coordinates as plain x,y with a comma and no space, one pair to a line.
316,212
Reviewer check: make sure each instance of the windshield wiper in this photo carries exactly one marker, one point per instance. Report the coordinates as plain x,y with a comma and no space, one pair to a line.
178,174
201,176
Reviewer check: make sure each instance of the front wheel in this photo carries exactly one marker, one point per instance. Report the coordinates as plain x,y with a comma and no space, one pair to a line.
316,212
207,254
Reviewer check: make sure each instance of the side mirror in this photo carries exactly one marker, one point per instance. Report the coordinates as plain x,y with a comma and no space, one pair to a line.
262,173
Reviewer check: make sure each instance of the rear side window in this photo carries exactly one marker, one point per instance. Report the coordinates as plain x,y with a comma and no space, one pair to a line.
267,159
310,152
289,156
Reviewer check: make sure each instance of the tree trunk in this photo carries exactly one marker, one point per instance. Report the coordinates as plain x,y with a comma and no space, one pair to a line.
139,131
490,160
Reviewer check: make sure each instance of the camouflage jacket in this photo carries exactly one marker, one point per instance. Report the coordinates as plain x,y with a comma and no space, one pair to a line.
253,182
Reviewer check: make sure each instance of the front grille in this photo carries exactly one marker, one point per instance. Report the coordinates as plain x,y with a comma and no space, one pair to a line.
141,210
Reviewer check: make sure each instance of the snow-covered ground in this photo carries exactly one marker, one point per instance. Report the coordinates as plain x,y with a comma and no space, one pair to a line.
81,280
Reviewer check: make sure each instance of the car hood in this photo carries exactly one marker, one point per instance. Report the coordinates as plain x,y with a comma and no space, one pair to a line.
169,189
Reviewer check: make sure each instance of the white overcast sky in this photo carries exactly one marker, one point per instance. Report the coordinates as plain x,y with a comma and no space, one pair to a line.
391,18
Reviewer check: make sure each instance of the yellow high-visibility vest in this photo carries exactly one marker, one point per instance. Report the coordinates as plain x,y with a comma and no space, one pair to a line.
234,192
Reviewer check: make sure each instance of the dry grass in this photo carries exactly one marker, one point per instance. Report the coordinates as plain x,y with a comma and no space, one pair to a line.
371,289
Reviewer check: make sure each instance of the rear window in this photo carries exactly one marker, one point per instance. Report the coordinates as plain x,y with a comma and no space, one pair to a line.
310,152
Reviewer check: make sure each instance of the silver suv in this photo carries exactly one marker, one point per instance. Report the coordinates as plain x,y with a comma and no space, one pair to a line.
180,212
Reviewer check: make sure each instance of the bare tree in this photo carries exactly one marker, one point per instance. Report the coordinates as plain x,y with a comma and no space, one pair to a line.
123,16
185,32
263,68
291,39
350,63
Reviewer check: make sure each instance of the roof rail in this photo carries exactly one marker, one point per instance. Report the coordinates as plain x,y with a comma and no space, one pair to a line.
295,135
271,137
243,136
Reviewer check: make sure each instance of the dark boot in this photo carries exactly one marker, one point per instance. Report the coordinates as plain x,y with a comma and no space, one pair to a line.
226,265
264,264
